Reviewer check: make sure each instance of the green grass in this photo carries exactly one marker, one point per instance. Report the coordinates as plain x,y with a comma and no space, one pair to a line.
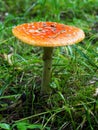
72,106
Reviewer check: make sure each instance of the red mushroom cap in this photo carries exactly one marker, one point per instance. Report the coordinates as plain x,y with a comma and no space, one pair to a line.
48,34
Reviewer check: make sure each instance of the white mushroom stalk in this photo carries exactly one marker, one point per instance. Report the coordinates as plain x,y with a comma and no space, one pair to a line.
47,66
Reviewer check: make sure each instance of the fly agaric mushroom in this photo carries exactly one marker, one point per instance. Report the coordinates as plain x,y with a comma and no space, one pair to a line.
48,35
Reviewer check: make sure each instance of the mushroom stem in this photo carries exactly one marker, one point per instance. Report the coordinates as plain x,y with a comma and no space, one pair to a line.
47,64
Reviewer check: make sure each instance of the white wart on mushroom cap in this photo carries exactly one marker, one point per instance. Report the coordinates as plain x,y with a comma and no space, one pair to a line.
48,34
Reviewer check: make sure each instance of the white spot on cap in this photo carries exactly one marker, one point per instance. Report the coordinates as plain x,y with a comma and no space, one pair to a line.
69,35
33,31
74,33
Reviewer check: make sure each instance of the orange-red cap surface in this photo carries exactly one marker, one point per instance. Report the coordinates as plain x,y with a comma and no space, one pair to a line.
48,34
